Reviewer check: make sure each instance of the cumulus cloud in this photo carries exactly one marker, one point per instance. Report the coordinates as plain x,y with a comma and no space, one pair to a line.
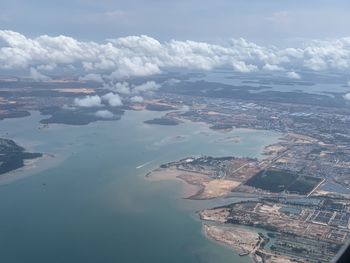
241,66
124,88
36,75
105,114
68,107
47,67
113,99
293,75
149,86
119,87
132,56
136,99
269,67
347,96
88,101
92,77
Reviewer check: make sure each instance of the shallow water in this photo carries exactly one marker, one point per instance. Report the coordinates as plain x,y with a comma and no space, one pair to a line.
92,204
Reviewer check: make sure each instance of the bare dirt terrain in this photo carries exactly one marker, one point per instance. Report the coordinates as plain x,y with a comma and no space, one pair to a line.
197,185
239,239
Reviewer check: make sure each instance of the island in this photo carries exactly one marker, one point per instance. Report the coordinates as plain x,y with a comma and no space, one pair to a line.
13,156
162,121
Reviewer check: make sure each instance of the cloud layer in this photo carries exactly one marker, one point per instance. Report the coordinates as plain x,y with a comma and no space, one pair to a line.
293,75
88,101
113,99
347,96
105,114
142,55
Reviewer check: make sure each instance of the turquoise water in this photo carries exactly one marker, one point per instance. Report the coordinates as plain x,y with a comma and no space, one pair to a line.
91,203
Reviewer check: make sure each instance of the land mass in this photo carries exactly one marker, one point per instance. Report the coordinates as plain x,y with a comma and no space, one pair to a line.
307,223
12,156
301,185
162,121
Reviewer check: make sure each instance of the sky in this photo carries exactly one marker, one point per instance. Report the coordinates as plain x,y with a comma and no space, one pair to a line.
262,21
114,40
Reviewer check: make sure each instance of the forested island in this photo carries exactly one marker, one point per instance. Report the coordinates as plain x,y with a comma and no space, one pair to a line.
12,156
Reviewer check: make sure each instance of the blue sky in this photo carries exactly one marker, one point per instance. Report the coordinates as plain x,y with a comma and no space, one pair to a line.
262,21
112,39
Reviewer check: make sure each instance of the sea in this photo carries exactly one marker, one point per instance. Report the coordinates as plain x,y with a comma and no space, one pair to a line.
88,199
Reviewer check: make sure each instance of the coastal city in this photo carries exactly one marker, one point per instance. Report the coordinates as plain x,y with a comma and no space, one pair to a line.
301,183
150,131
297,191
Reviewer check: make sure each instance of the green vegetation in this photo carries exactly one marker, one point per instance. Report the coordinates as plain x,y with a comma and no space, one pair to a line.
162,121
13,113
159,107
12,156
221,127
277,181
77,116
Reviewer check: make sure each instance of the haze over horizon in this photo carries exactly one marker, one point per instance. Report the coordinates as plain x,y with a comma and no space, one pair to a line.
121,39
264,22
174,131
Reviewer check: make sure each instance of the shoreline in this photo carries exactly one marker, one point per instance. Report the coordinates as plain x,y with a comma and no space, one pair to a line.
31,167
231,237
188,191
195,185
239,249
192,192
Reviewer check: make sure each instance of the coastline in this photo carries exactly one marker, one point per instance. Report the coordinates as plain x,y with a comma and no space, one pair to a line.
188,191
245,242
196,185
210,230
31,167
192,191
217,233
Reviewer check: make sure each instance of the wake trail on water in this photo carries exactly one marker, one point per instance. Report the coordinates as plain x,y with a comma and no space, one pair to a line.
144,164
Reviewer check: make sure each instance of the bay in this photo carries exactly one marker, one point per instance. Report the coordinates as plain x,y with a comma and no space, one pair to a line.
92,203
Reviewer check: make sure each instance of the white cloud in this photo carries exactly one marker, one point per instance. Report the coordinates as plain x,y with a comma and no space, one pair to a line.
47,67
146,87
113,99
270,67
88,101
241,66
347,96
124,88
136,99
293,75
119,87
117,59
105,114
92,77
68,107
36,75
